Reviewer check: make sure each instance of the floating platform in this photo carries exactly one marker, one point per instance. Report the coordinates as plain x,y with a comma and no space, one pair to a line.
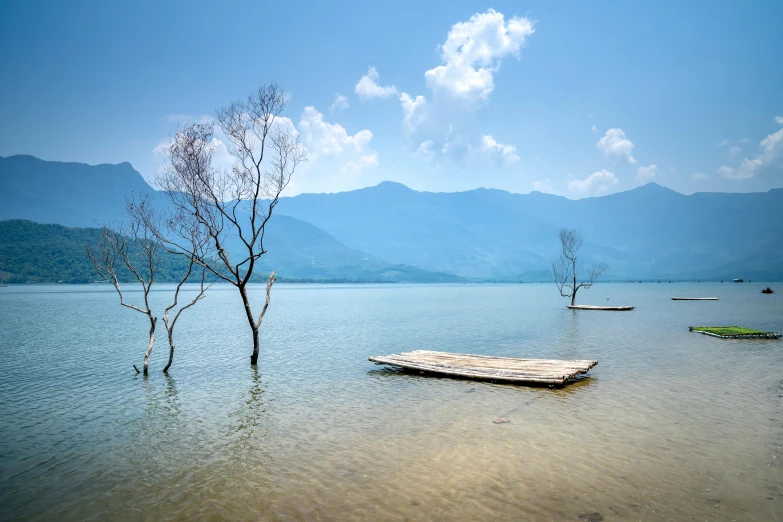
694,298
482,367
733,332
610,308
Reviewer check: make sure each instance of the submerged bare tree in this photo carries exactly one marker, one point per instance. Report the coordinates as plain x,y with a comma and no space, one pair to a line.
134,247
566,267
236,204
197,245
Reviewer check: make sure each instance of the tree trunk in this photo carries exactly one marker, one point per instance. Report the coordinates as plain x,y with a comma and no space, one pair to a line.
171,351
153,320
573,294
256,346
249,314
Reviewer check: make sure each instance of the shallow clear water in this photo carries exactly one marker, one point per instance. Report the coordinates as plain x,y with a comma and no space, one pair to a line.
669,425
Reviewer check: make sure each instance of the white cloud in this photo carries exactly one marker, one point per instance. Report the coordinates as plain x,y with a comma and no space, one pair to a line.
771,151
426,149
723,143
645,174
744,140
503,152
473,51
779,120
414,111
594,129
614,144
324,139
368,86
336,159
735,150
596,183
542,186
340,102
700,176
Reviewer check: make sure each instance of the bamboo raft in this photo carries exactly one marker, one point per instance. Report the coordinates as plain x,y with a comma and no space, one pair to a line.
611,308
482,367
694,298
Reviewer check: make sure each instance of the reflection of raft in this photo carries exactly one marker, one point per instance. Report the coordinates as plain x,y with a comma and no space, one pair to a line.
610,308
483,367
694,298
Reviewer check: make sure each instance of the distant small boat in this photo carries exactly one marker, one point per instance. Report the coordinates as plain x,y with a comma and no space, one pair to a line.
608,308
738,280
767,290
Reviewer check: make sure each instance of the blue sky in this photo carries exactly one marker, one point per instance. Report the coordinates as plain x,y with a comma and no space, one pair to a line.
574,98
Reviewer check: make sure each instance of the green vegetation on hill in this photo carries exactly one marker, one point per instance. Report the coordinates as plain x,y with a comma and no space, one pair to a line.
35,253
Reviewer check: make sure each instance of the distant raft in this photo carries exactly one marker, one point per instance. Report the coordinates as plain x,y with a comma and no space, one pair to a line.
733,332
609,308
551,372
694,298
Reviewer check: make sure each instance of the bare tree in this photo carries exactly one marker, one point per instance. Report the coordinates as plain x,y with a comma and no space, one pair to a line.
566,267
134,246
116,248
233,204
192,236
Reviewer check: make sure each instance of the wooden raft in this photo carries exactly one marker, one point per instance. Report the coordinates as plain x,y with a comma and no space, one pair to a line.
483,367
694,298
610,308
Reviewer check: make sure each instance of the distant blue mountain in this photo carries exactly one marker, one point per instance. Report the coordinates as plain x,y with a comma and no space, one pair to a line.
70,194
646,233
650,232
79,195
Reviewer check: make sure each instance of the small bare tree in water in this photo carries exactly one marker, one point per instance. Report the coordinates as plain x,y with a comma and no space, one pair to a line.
236,203
566,267
134,247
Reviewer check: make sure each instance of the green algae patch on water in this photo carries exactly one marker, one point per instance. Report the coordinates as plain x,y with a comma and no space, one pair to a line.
734,332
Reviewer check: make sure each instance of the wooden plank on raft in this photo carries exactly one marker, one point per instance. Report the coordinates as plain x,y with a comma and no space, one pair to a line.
484,367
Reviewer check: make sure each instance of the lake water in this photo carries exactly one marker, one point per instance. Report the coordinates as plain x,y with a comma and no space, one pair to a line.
669,425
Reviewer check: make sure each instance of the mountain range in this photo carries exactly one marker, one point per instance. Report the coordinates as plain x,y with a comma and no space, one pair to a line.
391,232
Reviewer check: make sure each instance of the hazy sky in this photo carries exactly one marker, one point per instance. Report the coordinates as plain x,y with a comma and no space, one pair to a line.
575,98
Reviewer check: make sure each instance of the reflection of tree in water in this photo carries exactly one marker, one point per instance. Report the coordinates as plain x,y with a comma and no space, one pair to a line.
247,421
250,472
161,411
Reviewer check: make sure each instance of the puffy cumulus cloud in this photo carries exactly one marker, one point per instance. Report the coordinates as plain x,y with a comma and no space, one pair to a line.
369,86
542,186
336,159
414,111
445,122
340,102
645,174
596,183
769,157
700,176
331,141
614,144
502,152
472,53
